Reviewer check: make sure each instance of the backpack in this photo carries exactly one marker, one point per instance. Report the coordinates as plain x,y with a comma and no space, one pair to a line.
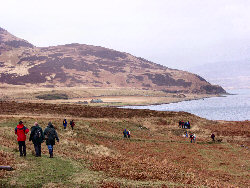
50,134
37,134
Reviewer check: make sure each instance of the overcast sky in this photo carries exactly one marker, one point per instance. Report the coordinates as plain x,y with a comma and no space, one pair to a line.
175,33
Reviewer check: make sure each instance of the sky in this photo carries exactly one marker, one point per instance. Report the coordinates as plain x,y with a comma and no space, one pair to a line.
175,33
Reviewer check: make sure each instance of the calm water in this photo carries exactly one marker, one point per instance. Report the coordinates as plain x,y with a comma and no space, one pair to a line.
230,107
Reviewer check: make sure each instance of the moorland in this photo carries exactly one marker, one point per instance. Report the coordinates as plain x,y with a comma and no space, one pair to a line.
95,154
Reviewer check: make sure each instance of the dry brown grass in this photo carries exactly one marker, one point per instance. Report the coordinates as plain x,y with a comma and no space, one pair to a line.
156,155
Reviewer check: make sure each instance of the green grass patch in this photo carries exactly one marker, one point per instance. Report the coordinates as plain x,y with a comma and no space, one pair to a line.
55,96
44,170
9,123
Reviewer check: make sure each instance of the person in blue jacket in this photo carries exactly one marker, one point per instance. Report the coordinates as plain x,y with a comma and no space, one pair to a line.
125,133
64,123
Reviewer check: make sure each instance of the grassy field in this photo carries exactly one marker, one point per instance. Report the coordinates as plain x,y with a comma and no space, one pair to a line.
95,154
109,96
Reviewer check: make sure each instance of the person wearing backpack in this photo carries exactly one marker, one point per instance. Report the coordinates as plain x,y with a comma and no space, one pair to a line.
37,138
50,136
21,132
65,123
72,124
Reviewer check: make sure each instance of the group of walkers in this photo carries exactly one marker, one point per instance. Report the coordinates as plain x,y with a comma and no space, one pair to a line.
191,136
37,136
72,124
126,133
185,125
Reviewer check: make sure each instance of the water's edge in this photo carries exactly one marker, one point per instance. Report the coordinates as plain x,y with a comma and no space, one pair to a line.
233,106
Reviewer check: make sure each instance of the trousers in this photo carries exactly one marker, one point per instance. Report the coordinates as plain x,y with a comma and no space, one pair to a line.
22,148
50,147
37,147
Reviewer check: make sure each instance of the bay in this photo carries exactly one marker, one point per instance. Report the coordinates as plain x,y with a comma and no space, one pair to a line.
235,107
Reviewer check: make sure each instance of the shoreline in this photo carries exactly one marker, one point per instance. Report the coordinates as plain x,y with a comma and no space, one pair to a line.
219,108
157,104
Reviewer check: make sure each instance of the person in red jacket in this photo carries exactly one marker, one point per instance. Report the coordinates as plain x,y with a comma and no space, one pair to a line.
21,132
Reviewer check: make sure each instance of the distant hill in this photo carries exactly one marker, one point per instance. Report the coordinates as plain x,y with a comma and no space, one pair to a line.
92,66
235,74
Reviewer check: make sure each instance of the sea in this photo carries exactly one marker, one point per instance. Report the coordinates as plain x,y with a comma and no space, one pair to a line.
232,107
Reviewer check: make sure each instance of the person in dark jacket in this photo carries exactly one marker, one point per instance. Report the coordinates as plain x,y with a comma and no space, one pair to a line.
191,137
213,136
37,138
21,132
72,124
50,136
185,125
188,125
180,123
65,123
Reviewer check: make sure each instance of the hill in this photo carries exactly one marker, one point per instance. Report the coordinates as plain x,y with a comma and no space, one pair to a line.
74,65
95,154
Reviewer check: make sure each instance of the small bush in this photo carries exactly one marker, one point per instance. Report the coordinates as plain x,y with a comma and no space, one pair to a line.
55,96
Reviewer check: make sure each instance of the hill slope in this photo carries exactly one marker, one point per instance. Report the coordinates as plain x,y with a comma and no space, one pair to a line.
91,66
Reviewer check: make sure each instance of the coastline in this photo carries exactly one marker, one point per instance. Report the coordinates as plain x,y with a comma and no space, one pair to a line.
171,102
233,107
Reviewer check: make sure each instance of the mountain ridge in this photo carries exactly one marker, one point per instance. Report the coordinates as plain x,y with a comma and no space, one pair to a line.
92,66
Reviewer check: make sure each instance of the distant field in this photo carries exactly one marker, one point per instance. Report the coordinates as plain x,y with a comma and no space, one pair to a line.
109,96
95,154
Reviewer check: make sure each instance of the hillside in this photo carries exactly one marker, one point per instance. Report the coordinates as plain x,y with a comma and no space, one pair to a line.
74,65
95,154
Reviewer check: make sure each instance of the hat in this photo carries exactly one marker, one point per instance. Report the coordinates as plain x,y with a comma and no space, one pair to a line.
20,122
